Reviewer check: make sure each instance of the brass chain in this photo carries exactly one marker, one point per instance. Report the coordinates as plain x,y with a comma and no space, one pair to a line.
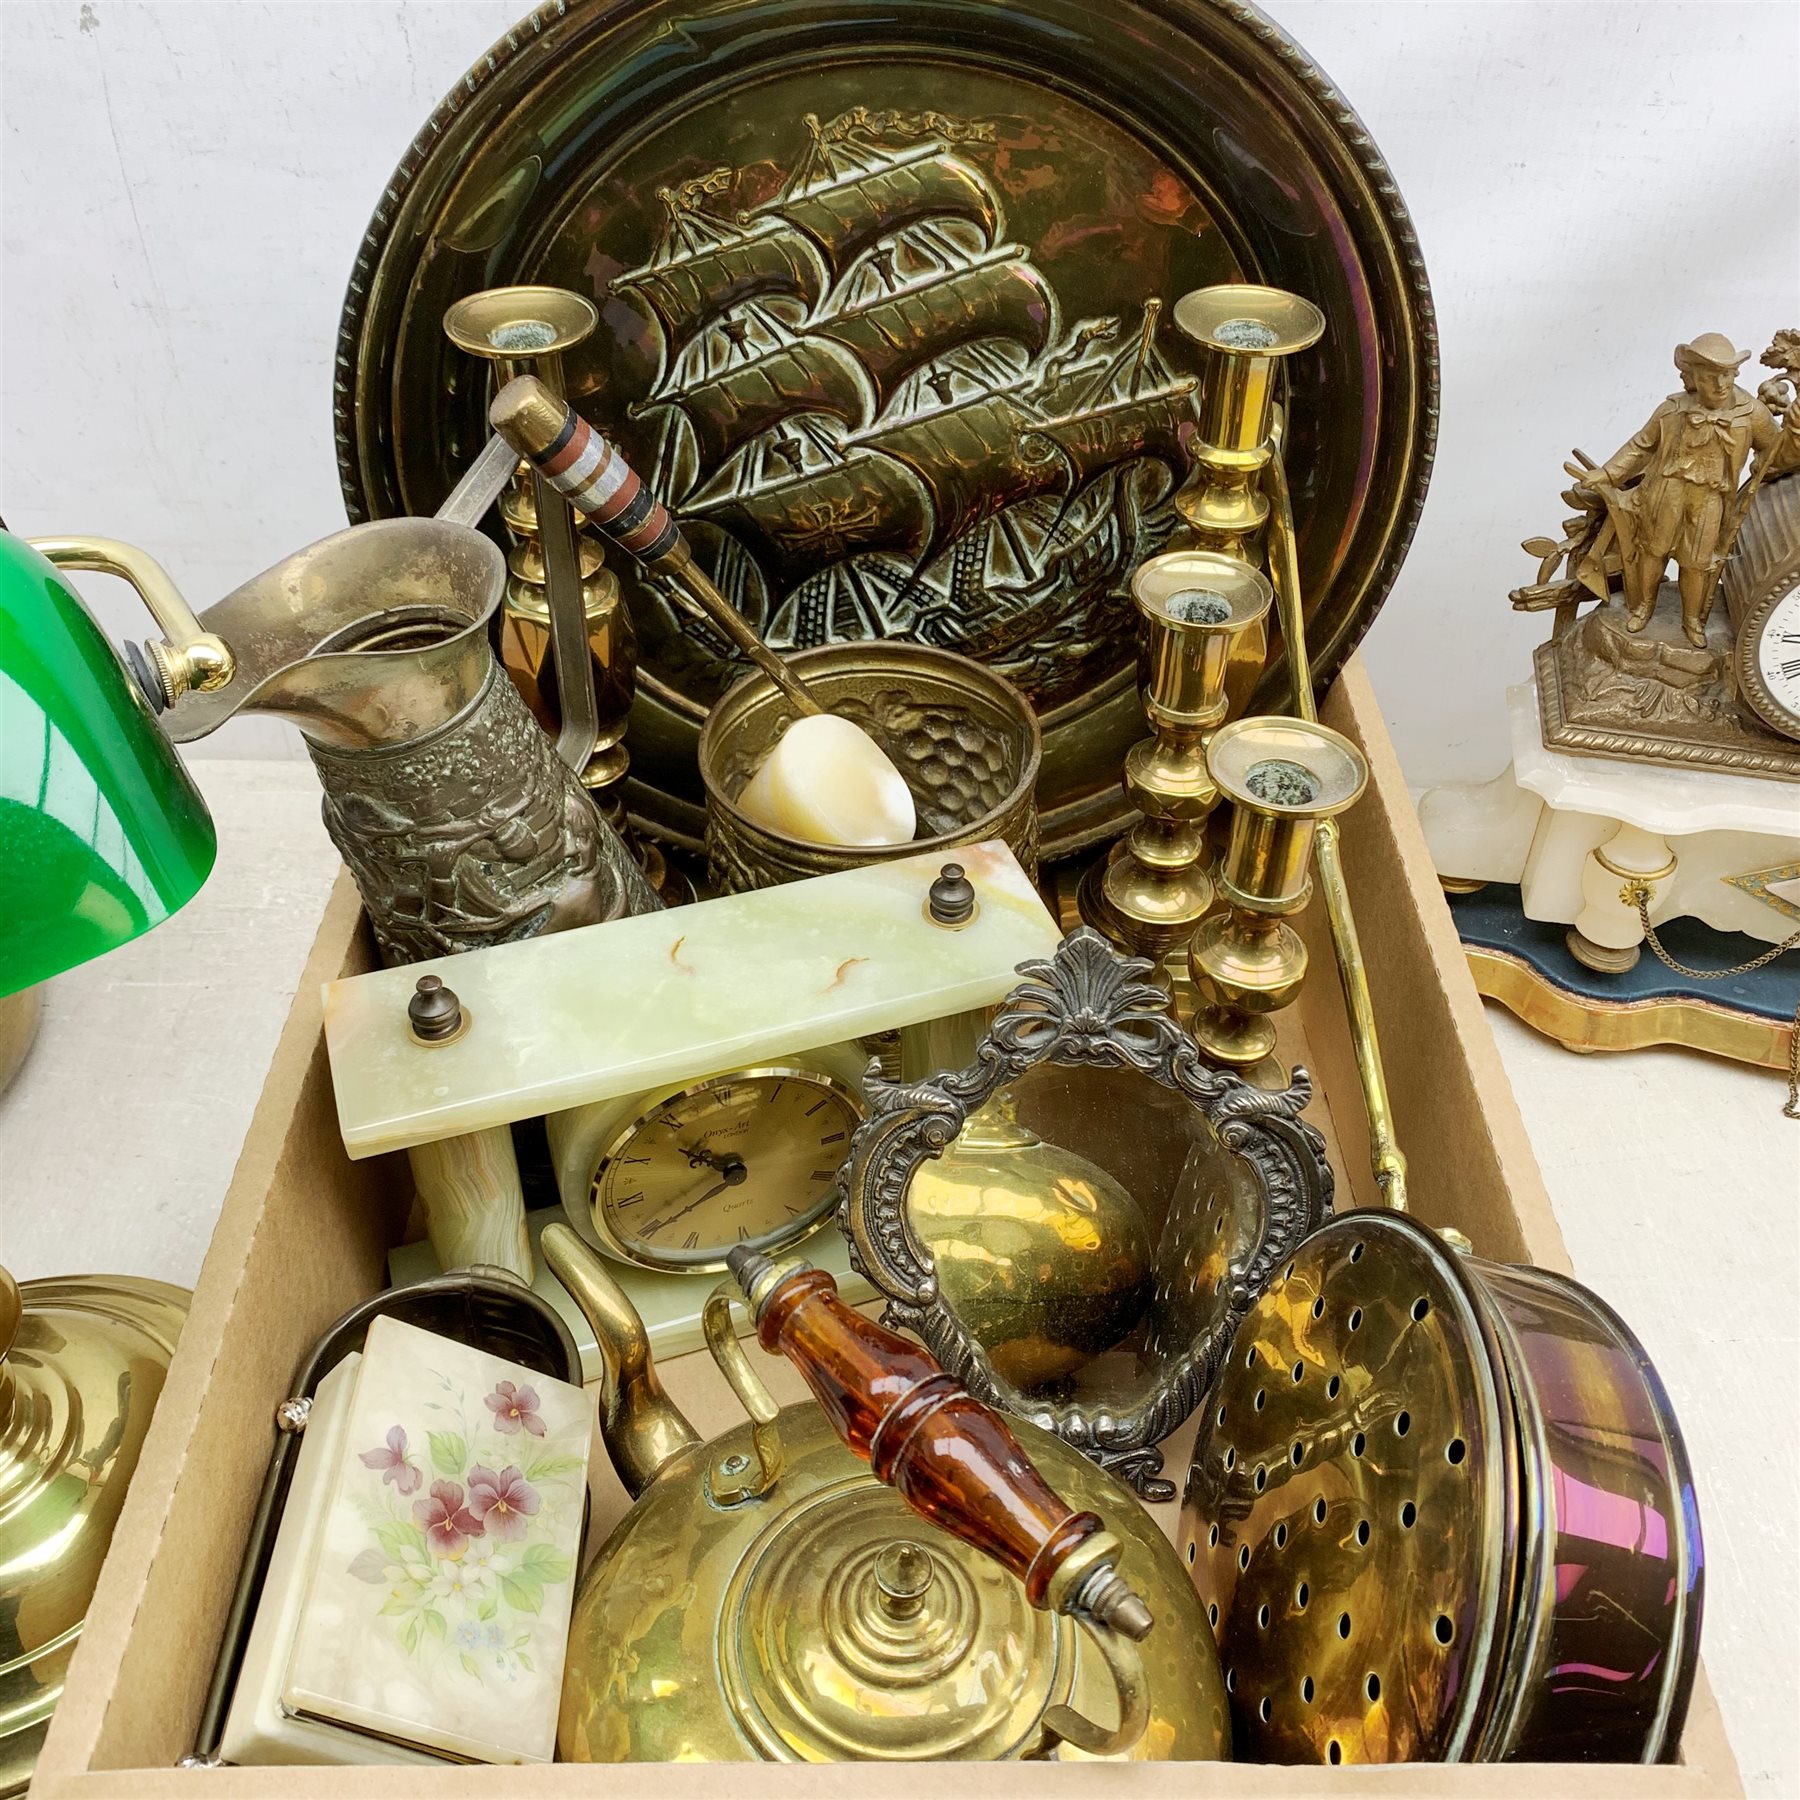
1639,895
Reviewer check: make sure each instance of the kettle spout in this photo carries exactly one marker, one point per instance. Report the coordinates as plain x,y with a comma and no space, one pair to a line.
641,1426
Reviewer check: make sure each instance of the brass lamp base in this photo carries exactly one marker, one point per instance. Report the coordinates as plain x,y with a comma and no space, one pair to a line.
82,1362
19,1015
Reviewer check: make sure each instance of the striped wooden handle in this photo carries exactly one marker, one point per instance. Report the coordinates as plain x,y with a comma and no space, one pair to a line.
586,469
601,485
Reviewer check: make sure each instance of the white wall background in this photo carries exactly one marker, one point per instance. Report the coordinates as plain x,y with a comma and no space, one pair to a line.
185,183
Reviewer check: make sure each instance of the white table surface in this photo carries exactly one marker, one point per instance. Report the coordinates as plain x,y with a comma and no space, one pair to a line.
1675,1178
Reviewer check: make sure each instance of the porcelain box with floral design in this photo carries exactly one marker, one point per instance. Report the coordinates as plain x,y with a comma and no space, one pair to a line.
417,1602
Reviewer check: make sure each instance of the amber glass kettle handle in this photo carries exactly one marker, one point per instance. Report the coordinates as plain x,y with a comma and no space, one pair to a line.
952,1459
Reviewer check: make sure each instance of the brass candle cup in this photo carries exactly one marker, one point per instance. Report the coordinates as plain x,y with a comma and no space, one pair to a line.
522,330
1282,777
1245,332
1194,607
965,738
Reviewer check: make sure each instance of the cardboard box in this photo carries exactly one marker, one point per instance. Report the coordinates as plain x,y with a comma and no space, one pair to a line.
304,1234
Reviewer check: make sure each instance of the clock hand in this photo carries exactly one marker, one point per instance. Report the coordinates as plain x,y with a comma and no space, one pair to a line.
698,1154
731,1167
712,1193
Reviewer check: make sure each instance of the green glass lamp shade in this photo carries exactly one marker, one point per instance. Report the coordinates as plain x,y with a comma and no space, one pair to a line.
102,833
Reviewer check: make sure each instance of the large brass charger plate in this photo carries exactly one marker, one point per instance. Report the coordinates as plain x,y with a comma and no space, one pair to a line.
873,285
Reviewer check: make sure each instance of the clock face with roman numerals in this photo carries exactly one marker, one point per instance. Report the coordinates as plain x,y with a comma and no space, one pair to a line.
745,1158
1769,664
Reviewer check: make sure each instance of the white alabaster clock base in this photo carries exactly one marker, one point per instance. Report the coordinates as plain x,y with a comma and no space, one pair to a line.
1575,832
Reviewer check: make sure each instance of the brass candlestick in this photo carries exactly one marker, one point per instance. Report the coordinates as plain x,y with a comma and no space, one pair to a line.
519,332
1194,608
1283,777
1246,332
1241,488
526,331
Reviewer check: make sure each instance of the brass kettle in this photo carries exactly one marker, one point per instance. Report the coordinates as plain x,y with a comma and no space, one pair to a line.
883,1575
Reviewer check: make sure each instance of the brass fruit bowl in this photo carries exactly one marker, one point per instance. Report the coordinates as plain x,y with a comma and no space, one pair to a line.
965,738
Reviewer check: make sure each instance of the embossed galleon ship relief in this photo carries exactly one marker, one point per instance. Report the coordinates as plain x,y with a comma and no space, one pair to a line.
874,395
900,371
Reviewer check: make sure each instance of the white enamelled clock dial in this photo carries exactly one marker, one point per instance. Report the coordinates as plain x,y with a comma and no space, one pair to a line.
1769,664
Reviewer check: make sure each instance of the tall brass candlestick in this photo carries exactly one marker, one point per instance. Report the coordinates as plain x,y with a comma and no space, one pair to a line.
1241,486
526,331
1245,331
1193,609
1283,778
519,330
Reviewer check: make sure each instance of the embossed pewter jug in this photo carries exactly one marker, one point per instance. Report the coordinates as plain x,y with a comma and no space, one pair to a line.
445,798
881,1575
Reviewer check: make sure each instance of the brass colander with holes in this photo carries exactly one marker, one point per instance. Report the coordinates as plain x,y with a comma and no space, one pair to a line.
1439,1510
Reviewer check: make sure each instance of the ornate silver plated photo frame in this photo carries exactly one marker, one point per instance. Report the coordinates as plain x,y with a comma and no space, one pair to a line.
1089,1278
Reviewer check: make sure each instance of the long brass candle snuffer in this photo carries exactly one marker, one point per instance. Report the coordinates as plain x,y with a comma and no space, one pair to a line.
1195,607
527,331
1239,492
1385,1156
